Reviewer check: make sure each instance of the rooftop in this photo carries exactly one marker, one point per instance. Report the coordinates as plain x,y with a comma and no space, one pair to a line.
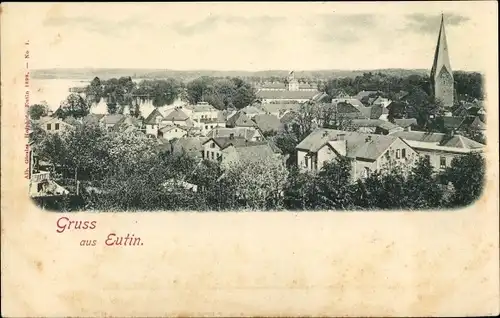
443,140
358,145
287,94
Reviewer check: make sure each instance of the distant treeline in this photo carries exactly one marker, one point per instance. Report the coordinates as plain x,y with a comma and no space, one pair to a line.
85,73
467,85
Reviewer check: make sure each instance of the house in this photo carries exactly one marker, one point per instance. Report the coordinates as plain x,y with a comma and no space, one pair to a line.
228,150
240,119
348,110
129,123
207,124
54,124
247,133
375,126
473,123
152,122
252,111
368,152
406,123
204,110
379,112
92,119
268,123
109,121
439,148
192,146
170,132
178,117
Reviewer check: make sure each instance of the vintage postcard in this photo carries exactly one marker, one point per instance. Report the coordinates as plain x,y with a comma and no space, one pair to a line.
250,159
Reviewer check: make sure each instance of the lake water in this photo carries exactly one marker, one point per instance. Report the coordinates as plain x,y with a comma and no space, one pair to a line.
54,91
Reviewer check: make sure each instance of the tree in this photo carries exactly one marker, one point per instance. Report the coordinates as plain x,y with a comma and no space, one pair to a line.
300,190
74,106
467,175
94,91
258,184
333,185
38,110
423,107
422,186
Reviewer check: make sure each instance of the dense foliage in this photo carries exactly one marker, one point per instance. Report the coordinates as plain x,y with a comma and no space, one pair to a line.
123,92
126,171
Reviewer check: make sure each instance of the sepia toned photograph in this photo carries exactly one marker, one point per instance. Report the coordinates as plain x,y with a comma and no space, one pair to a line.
339,133
271,159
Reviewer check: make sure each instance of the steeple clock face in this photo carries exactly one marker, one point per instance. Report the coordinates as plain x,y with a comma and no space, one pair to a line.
445,77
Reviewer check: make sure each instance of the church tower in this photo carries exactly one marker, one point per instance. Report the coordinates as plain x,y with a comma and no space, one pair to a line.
441,73
291,83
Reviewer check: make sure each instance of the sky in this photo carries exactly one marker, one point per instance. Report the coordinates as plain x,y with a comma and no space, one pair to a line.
256,36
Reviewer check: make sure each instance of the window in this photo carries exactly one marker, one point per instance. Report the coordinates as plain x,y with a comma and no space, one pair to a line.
48,126
212,145
202,154
427,157
442,162
176,130
398,154
403,152
306,161
206,126
57,126
212,155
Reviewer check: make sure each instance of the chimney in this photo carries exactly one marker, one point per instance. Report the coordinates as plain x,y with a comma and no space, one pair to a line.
231,136
325,133
368,139
341,137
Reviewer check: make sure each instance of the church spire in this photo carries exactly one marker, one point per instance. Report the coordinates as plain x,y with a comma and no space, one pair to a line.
441,72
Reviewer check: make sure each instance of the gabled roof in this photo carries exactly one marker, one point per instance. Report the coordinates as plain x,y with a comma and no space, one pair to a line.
203,107
473,122
240,119
251,110
238,132
92,118
256,152
358,145
112,119
439,139
286,94
127,123
168,128
176,115
190,145
267,122
151,119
